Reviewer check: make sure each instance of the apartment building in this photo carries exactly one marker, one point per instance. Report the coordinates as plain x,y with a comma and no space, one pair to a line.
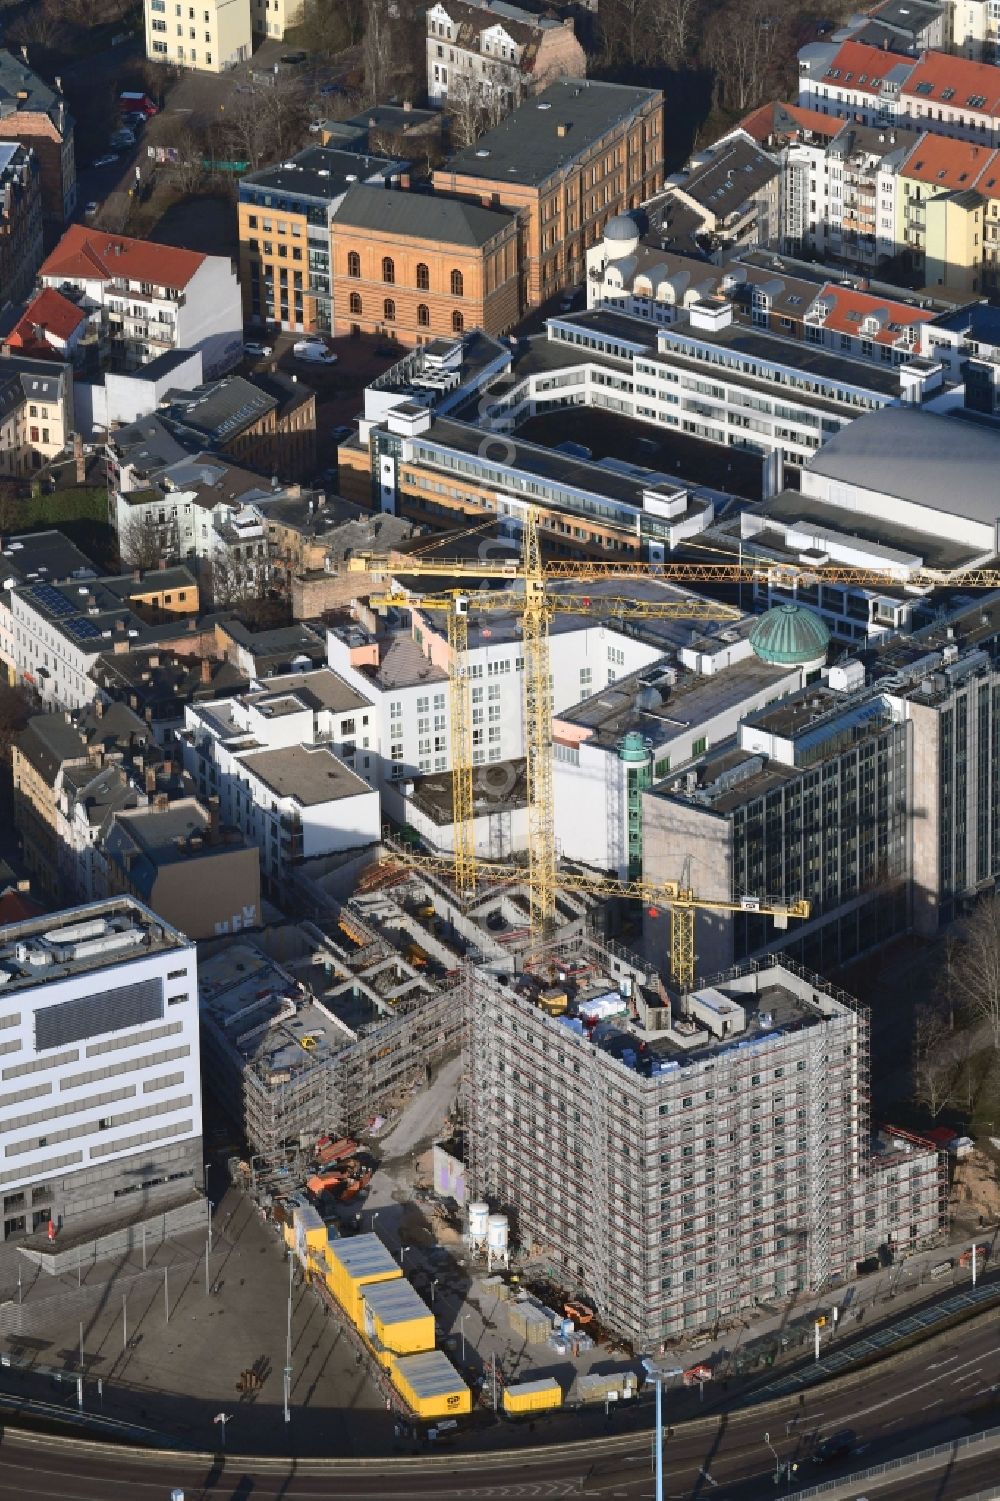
864,325
626,736
272,18
724,1141
51,327
854,81
20,220
54,633
266,422
281,762
809,799
727,200
406,675
209,36
94,1141
35,114
566,162
36,412
283,217
144,298
494,58
953,96
416,268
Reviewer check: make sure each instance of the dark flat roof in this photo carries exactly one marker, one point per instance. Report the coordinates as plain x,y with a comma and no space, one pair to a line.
526,147
319,172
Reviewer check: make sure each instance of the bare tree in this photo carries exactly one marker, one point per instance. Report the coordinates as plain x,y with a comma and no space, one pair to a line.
267,122
465,111
378,48
975,967
740,43
672,25
933,1070
139,542
330,26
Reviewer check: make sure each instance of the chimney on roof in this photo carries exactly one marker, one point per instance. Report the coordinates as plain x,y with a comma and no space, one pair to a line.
168,767
213,820
562,129
407,106
99,707
150,778
161,802
137,575
79,459
206,670
24,53
58,83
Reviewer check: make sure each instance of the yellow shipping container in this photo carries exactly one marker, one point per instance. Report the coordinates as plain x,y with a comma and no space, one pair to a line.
430,1385
396,1320
351,1265
532,1396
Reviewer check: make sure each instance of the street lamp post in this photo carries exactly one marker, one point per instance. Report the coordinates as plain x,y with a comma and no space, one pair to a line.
658,1440
434,1283
777,1462
402,1256
288,1349
375,1215
461,1325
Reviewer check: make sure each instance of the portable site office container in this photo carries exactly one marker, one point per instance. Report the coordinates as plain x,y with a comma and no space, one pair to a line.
430,1385
351,1265
532,1396
396,1320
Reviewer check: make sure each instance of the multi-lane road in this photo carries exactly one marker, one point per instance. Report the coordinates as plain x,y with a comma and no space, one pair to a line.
919,1399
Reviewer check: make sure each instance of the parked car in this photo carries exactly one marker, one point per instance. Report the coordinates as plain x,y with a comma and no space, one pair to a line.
133,120
314,350
137,103
92,209
107,160
838,1446
293,59
122,138
256,350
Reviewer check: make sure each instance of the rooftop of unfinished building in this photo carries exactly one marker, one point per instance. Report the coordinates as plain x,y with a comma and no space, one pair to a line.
269,1018
99,936
747,1010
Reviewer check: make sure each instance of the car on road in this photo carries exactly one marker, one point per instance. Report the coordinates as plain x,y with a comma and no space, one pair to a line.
92,209
122,138
107,160
838,1446
293,59
256,350
133,120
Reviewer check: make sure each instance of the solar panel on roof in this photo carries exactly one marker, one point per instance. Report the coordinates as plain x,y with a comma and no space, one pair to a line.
83,629
51,600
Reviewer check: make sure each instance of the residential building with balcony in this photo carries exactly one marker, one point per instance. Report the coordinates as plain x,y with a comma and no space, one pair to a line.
726,201
35,113
209,36
566,161
941,203
51,327
855,81
144,298
36,412
284,215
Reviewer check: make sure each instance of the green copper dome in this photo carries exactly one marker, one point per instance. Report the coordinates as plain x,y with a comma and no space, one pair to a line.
790,636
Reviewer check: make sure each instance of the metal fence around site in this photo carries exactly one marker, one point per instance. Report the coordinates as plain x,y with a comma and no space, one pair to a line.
966,1448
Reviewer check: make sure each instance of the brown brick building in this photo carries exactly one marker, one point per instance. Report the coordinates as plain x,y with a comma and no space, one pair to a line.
34,112
415,266
567,162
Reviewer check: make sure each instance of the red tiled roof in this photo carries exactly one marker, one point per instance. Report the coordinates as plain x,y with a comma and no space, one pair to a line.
16,906
862,68
50,312
939,78
849,308
95,255
778,118
947,164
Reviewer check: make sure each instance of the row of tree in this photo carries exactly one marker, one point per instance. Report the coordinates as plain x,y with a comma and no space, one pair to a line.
957,1033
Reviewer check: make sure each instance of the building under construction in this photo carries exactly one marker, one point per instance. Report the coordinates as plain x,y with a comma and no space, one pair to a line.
679,1163
333,1032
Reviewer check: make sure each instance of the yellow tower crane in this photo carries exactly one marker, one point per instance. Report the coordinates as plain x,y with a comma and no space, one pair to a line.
536,608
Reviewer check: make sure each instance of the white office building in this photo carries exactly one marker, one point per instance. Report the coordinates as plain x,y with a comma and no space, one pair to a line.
99,1068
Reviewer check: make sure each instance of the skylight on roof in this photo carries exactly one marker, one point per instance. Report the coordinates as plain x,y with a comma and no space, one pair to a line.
924,88
976,101
947,94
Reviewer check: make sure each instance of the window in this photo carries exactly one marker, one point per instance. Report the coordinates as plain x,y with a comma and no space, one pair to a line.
423,278
356,304
353,263
388,269
457,284
457,322
423,315
389,310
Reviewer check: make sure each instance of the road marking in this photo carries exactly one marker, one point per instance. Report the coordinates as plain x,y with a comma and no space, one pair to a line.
901,1396
932,1404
